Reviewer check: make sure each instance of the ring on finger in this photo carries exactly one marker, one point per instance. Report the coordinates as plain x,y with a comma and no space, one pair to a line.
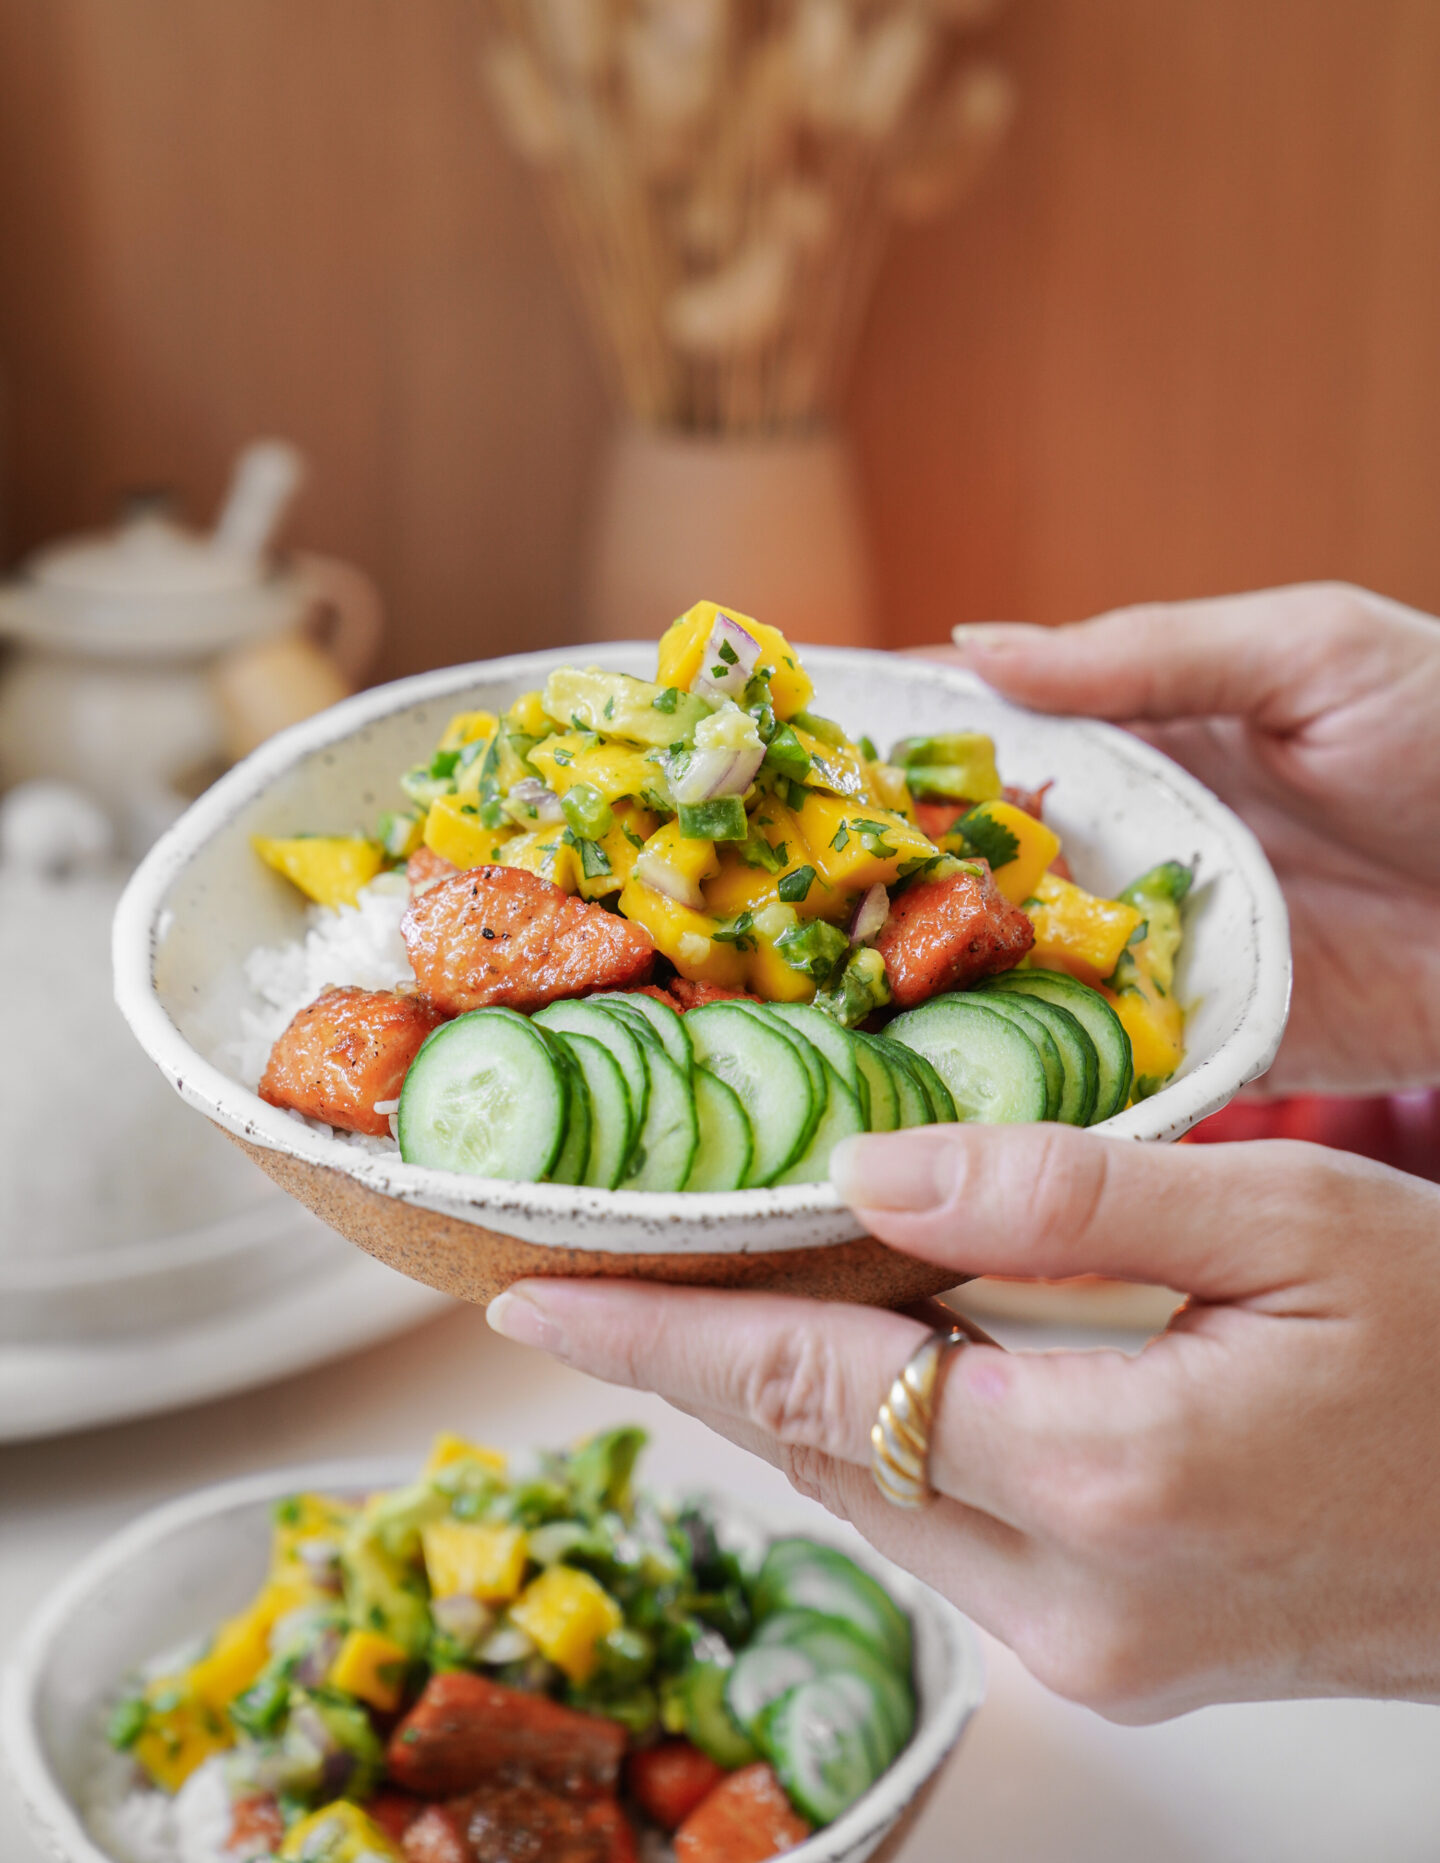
900,1435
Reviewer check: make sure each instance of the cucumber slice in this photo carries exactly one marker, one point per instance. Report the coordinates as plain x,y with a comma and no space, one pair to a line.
833,1042
914,1101
485,1096
829,1647
622,1009
1114,1062
570,1167
583,1017
841,1119
669,1026
670,1136
820,1738
989,1063
881,1094
806,1049
709,1724
727,1145
937,1094
612,1123
761,1063
1019,1012
763,1674
801,1575
1077,1053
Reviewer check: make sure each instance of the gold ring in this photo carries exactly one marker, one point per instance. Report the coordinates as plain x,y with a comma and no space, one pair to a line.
900,1436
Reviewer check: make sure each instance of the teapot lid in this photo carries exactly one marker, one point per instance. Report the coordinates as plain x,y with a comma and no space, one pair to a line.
147,554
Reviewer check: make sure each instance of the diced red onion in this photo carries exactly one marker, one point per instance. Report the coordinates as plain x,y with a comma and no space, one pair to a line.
870,915
731,679
307,1724
658,874
321,1559
462,1617
336,1771
704,775
531,793
318,1660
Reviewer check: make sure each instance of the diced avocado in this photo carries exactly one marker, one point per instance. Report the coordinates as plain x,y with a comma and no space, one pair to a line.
382,1593
1159,895
394,1519
825,729
859,989
350,1728
601,1471
955,765
616,705
814,949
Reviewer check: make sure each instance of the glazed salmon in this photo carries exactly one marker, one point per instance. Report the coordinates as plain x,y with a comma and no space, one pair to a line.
668,1781
946,934
502,935
426,868
746,1819
519,1824
346,1050
465,1732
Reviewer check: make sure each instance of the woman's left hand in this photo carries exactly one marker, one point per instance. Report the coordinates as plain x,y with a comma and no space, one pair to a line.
1247,1509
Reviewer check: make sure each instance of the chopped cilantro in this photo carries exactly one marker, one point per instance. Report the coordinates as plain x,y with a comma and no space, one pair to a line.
594,861
667,700
786,754
442,764
736,931
610,706
635,840
840,840
988,839
795,795
563,757
127,1723
795,886
728,653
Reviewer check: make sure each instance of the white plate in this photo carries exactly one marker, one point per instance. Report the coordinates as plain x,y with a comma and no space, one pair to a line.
201,901
175,1572
346,1302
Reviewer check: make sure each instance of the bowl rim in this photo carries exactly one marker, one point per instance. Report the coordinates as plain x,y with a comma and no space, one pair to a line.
56,1821
142,917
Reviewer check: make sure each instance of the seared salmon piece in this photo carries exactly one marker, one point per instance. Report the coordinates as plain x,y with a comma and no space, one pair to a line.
256,1820
946,934
426,868
519,1823
690,995
394,1812
346,1050
502,935
465,1732
436,1836
668,1781
746,1819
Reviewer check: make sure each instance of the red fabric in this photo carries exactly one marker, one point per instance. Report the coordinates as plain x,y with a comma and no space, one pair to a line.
1403,1131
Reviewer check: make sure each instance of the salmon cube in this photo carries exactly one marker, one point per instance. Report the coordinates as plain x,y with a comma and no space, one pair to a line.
465,1732
746,1819
949,933
344,1052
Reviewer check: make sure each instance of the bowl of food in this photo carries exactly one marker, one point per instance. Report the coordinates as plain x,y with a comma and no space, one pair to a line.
358,1665
530,967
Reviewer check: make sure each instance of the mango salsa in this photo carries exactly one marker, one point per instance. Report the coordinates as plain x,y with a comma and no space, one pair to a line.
615,770
566,1612
454,831
858,847
467,728
1035,847
328,868
339,1833
685,936
447,1449
371,1667
682,648
467,1558
1078,932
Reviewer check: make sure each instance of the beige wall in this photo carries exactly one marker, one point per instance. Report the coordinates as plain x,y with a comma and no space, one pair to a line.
1184,338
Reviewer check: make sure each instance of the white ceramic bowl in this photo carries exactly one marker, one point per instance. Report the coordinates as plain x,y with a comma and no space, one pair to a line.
201,901
175,1572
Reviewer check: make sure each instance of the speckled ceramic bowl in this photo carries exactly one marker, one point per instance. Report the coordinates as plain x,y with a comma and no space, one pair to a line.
174,1573
202,901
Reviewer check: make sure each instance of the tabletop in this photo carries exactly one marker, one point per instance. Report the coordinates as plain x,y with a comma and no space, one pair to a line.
1036,1779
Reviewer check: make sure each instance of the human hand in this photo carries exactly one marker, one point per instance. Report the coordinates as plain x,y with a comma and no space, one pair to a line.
1249,1509
1315,713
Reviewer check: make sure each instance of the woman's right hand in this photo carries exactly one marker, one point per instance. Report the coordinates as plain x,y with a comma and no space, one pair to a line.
1315,713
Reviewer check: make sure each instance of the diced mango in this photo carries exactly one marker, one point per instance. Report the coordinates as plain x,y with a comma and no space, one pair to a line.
739,887
1156,1028
454,831
1036,847
528,714
372,1668
768,976
686,937
339,1833
631,823
300,1518
853,846
682,647
240,1648
566,1612
692,860
467,728
468,1558
1078,932
448,1448
544,852
328,868
615,770
180,1735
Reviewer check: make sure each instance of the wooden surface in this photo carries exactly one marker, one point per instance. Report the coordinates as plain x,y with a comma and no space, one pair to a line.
1183,339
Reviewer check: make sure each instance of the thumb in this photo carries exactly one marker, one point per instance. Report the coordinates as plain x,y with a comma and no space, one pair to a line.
1049,1201
1272,657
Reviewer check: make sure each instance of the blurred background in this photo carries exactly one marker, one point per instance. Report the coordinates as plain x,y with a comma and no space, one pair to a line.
1178,336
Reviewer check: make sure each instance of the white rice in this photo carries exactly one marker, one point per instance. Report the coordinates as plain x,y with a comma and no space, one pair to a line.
359,944
134,1823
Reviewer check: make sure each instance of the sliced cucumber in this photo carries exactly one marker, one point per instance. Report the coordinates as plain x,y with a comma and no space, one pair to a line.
820,1738
486,1096
612,1123
763,1674
1019,1012
806,1049
583,1017
574,1160
914,1101
1077,1053
727,1145
761,1063
989,1063
669,1026
1114,1062
801,1575
709,1724
670,1136
832,1041
937,1094
829,1647
842,1118
622,1009
881,1095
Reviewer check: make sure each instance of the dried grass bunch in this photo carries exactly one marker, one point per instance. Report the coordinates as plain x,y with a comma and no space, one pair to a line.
722,175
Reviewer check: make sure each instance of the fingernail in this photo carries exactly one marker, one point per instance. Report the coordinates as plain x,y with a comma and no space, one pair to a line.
977,636
516,1316
893,1171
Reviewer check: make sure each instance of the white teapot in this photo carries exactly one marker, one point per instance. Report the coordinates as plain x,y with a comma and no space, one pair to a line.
139,661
